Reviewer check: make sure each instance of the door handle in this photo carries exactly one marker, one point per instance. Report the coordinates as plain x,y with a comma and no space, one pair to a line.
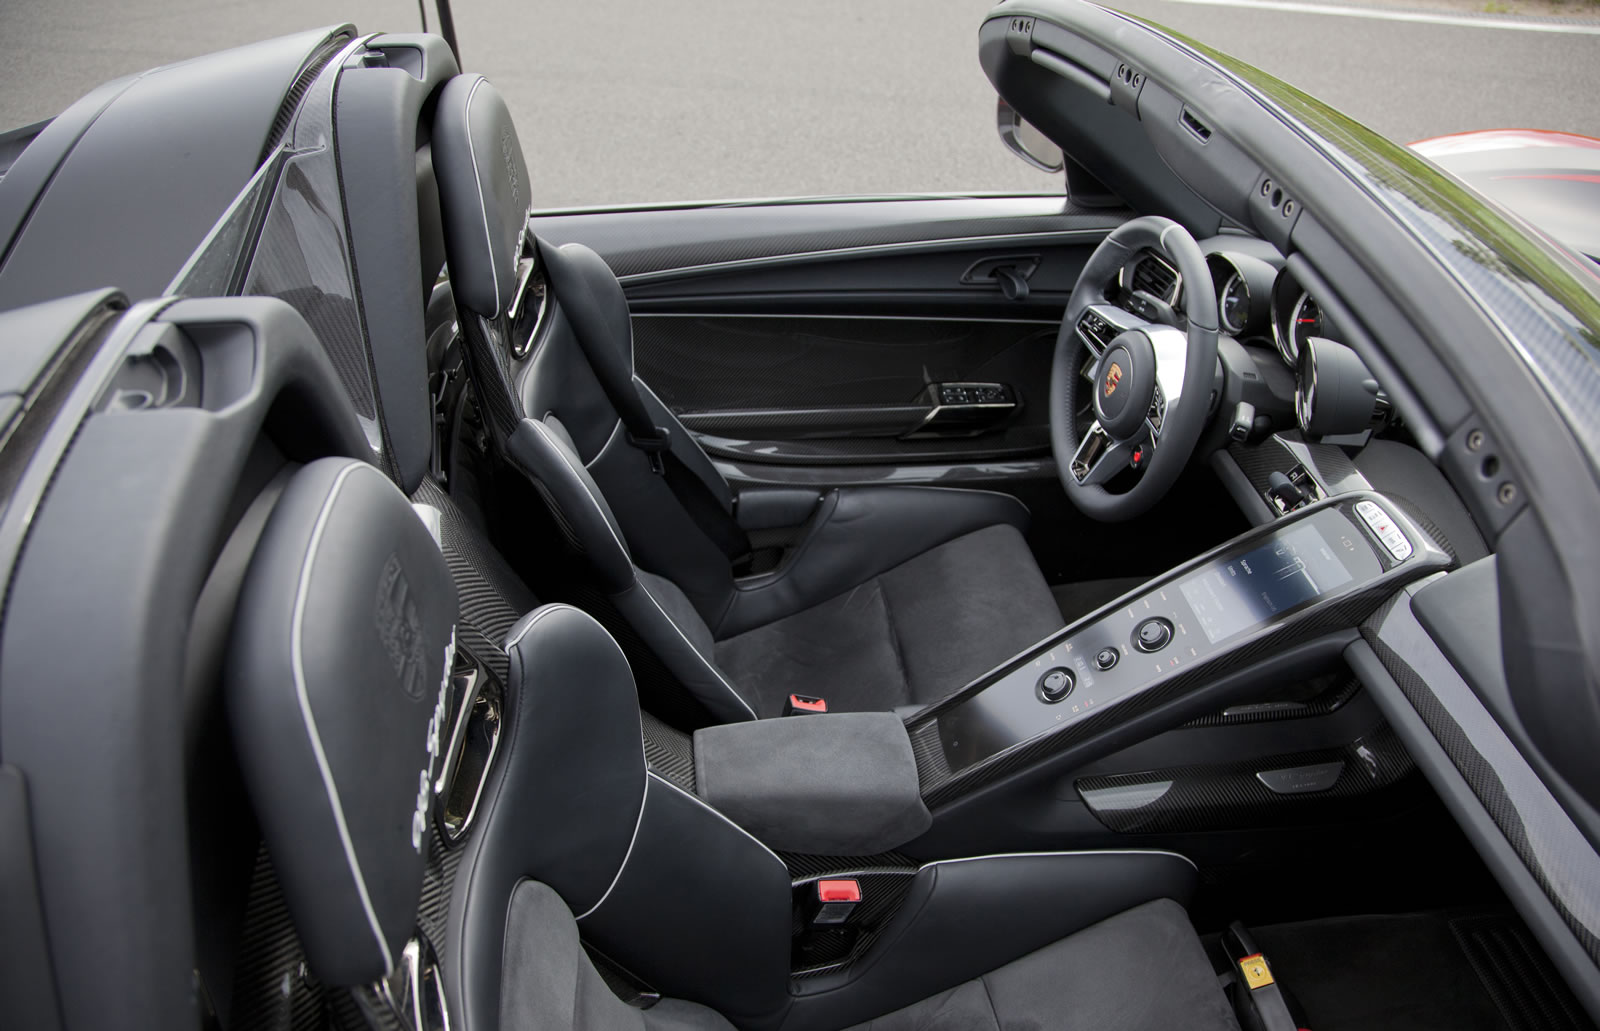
1010,272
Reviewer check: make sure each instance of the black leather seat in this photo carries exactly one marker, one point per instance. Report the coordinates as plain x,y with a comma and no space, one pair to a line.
337,696
885,597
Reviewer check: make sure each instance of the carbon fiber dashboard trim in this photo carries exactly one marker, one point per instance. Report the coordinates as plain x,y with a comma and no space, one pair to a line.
1553,848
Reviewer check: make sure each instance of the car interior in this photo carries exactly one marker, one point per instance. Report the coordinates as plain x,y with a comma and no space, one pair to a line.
426,610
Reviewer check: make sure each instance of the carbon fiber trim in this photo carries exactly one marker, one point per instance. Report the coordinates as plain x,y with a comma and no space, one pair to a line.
669,752
303,253
804,867
1517,975
489,363
272,990
1013,442
1229,795
824,951
1555,852
1259,461
491,596
492,600
1316,697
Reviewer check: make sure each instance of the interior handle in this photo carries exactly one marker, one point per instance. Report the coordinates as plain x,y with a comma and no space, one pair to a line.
1010,272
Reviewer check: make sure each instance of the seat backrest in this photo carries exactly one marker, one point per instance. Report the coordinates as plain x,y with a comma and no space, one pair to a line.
339,695
569,412
337,690
579,371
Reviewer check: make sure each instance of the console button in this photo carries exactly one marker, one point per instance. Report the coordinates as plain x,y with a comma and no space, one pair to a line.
1384,529
1056,684
1152,635
1106,658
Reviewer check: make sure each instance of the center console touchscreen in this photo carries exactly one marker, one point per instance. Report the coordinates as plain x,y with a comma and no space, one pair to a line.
1237,592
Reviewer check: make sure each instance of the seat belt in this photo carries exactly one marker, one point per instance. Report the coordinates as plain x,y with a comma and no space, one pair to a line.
1259,1002
693,494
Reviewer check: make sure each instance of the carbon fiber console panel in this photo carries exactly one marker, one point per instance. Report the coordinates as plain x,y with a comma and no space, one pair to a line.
1257,793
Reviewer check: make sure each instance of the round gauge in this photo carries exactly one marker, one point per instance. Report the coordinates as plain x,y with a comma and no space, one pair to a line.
1305,321
1289,332
1235,304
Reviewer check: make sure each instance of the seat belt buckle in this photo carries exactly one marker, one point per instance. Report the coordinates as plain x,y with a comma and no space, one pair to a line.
804,705
833,900
653,447
1255,971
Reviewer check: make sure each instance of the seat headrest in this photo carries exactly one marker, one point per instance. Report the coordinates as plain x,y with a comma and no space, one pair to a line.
484,194
337,695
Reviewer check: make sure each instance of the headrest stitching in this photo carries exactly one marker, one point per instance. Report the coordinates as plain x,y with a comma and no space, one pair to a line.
310,720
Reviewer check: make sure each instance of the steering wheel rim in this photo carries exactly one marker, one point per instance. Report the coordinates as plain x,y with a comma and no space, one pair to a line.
1186,391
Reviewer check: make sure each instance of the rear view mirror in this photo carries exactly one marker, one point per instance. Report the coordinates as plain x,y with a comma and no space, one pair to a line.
1025,141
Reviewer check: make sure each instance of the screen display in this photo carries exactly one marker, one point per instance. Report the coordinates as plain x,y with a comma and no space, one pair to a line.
1234,594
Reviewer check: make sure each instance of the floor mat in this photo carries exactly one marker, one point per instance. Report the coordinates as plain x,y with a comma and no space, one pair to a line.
1480,971
1080,599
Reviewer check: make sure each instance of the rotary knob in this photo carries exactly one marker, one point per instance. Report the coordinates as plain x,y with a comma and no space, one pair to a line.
1152,635
1056,684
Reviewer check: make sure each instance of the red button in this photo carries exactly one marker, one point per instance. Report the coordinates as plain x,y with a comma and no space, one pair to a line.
808,704
839,891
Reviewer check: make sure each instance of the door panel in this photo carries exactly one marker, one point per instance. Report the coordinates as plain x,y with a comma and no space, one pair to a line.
838,383
916,333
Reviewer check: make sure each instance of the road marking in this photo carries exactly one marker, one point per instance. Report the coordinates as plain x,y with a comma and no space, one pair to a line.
1410,16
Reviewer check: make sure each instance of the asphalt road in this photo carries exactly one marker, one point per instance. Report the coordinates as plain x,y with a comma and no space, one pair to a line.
641,100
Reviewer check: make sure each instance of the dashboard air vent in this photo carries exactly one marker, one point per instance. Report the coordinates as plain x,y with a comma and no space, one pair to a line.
1156,278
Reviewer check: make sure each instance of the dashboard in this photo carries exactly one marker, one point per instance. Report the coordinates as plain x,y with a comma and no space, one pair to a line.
1273,319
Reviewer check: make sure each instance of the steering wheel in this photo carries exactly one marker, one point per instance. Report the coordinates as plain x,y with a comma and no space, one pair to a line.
1150,382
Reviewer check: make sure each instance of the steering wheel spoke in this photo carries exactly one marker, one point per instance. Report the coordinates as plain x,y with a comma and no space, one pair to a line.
1101,323
1099,457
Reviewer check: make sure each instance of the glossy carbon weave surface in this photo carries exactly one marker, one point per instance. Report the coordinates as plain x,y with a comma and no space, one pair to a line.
1213,797
1543,835
303,253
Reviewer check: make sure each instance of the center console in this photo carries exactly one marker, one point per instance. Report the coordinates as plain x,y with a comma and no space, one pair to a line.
1319,568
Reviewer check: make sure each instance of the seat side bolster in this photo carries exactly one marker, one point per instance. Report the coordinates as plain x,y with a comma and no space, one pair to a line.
574,500
669,625
998,908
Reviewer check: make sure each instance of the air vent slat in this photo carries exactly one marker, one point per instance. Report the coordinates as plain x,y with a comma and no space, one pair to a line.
1156,277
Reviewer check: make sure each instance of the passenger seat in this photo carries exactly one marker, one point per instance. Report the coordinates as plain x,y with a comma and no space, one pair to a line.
338,689
885,597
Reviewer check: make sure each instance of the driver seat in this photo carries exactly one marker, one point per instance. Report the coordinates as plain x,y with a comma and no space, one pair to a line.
873,598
